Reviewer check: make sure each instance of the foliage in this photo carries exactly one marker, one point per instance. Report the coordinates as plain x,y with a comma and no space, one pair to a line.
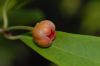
67,49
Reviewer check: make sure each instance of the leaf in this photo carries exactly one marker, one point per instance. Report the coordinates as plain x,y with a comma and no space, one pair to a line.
8,4
10,51
18,16
12,5
69,49
69,7
91,18
24,17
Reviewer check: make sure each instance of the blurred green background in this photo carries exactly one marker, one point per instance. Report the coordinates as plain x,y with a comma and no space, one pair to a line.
74,16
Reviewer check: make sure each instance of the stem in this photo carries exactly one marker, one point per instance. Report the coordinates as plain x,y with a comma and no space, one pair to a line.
1,30
20,27
5,18
11,37
5,25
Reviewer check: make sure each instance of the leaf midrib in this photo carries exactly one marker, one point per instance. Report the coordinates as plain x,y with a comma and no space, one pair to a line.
75,54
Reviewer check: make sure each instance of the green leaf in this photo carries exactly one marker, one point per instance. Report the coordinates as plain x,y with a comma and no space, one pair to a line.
69,49
24,17
69,7
10,51
12,5
91,18
9,5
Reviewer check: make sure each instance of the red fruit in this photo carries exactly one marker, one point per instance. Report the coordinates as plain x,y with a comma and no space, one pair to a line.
44,33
